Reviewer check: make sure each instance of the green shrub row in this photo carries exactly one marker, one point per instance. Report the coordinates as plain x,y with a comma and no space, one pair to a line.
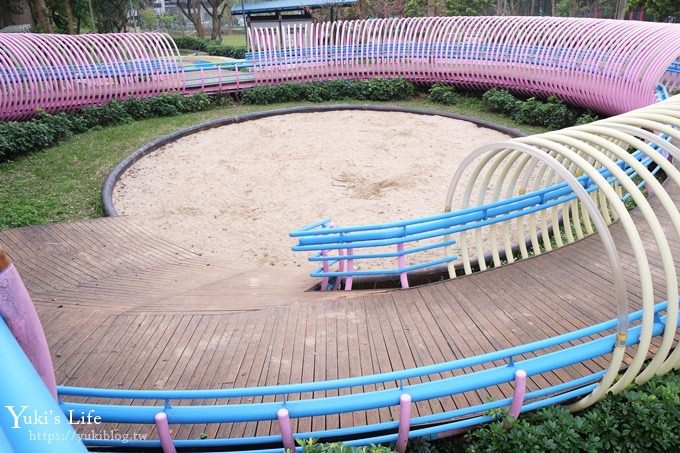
311,446
331,90
640,419
210,47
551,113
21,137
442,94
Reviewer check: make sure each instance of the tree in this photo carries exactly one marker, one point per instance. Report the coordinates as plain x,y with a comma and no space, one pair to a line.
191,9
216,10
468,7
148,18
415,8
40,15
167,20
386,8
62,15
111,15
661,10
435,7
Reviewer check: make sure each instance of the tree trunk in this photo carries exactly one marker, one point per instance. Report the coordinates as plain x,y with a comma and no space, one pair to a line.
573,7
198,25
621,9
216,33
553,6
532,11
362,6
194,16
41,16
70,29
431,7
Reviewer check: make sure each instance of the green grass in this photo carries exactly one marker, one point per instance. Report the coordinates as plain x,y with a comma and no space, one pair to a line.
64,183
235,39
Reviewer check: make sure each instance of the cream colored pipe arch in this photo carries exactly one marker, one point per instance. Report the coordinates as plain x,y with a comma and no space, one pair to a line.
515,167
643,265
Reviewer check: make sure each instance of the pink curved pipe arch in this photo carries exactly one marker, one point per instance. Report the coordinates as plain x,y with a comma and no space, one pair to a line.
61,72
588,62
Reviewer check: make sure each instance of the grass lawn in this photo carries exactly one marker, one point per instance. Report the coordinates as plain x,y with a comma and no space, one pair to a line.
63,183
235,39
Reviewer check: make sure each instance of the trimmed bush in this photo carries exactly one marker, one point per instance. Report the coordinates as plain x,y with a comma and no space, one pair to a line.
311,446
500,101
388,89
331,90
21,137
210,47
18,138
553,114
585,118
263,95
528,112
443,94
639,419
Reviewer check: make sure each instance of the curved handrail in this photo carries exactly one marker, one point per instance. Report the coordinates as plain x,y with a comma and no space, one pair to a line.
593,159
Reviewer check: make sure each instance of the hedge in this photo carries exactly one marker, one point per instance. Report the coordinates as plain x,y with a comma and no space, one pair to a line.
210,47
641,418
552,113
21,137
311,446
442,94
332,90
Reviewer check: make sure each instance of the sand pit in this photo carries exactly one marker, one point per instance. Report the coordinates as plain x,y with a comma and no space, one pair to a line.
238,190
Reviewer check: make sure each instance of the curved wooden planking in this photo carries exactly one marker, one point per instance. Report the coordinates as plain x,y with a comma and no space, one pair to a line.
120,312
130,297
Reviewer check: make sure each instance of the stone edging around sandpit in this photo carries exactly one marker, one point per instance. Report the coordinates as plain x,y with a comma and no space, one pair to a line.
125,164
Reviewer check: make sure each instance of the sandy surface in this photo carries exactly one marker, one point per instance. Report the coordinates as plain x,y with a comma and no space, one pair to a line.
238,190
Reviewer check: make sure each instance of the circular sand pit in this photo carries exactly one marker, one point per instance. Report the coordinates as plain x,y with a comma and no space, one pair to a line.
238,190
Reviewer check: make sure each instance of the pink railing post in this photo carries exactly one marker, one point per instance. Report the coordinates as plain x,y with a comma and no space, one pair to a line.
341,268
18,311
164,434
286,429
404,422
326,268
350,268
401,262
518,394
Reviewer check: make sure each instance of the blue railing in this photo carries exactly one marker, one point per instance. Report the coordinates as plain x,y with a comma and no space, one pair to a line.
335,246
21,385
577,347
135,68
550,56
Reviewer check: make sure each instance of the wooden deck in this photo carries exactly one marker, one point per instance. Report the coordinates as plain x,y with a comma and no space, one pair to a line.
124,309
